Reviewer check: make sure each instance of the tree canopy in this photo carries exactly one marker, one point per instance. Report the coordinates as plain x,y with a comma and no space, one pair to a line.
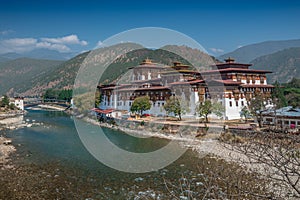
176,106
65,94
207,107
4,101
140,104
245,112
256,106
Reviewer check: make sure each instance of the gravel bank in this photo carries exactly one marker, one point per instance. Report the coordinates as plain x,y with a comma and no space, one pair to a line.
5,150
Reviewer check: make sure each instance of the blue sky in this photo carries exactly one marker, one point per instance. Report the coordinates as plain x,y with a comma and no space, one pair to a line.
219,26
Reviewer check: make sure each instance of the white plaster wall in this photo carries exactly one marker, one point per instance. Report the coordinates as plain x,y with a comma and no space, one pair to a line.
233,112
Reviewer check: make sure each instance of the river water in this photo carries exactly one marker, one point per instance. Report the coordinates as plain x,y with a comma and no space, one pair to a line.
56,141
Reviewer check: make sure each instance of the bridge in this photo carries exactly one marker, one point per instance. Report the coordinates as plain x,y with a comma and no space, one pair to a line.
46,103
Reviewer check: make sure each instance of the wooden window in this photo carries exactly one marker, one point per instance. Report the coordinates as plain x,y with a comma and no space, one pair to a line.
269,119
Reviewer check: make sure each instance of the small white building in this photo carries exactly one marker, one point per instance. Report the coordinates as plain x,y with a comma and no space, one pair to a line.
18,102
283,117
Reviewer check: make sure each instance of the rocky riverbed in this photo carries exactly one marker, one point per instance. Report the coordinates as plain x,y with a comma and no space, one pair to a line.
6,148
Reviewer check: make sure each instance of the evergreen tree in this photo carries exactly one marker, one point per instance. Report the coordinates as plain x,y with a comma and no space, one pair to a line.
5,101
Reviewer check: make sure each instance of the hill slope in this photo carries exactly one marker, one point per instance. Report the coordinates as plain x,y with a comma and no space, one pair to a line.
19,73
284,64
248,53
64,75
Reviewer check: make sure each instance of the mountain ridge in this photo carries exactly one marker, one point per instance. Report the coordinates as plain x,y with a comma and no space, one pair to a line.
284,64
249,52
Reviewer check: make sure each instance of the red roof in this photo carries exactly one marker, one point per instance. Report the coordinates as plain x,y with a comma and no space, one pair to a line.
235,70
116,87
232,63
143,81
228,82
151,66
257,86
97,110
141,89
187,82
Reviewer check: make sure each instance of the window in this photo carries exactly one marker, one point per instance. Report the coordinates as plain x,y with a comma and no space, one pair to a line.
129,103
230,103
158,104
242,103
237,103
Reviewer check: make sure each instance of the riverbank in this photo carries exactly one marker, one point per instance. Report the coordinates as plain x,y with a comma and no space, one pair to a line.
209,145
52,163
6,148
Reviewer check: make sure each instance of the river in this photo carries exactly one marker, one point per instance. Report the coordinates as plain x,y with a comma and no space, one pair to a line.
56,141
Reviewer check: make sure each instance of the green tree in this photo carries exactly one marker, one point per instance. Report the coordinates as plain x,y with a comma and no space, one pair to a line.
204,109
291,92
5,101
177,106
278,97
98,98
218,109
12,106
207,107
256,107
141,104
245,112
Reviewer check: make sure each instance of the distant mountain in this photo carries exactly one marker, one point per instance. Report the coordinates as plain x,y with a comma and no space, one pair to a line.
64,75
248,53
38,54
284,64
17,75
9,56
49,54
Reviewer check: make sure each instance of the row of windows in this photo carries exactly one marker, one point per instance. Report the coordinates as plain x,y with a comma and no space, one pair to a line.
236,103
285,122
253,89
143,93
154,104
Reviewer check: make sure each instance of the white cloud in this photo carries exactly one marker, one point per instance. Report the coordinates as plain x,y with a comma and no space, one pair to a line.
99,44
239,46
17,45
20,45
70,39
216,50
51,46
6,32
